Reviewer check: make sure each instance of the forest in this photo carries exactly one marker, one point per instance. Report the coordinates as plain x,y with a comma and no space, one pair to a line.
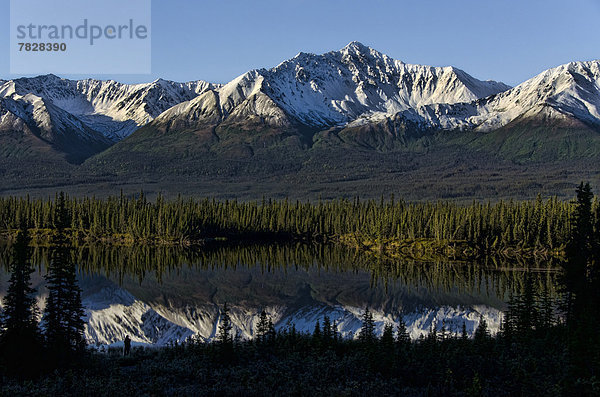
548,343
540,225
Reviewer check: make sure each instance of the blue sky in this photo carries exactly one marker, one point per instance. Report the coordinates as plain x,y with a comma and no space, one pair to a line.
506,40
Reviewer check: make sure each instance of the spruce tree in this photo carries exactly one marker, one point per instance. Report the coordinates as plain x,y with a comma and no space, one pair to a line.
327,329
271,333
367,331
387,337
20,343
402,336
481,333
224,334
463,333
317,334
63,315
581,243
20,314
262,328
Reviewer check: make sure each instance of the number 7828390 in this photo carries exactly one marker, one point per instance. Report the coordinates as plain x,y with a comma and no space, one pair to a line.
42,47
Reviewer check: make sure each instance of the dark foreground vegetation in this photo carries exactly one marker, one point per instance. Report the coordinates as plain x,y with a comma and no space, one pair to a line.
546,346
321,364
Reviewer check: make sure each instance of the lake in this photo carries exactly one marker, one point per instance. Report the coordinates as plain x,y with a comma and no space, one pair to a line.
162,295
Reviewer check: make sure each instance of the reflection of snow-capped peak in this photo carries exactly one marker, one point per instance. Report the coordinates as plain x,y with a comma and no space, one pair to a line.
113,313
111,322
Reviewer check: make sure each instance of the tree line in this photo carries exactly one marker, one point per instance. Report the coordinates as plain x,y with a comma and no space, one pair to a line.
541,224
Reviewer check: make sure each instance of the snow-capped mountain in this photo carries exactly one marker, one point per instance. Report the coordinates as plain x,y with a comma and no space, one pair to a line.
355,97
331,89
109,107
354,86
51,120
41,123
340,86
571,90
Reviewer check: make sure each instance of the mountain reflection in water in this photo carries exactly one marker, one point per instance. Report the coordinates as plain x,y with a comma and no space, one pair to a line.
159,295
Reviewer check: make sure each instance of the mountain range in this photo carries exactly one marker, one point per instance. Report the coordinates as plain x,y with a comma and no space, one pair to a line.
346,122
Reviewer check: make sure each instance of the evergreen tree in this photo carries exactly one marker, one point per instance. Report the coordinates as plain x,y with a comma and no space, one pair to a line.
443,332
463,334
536,224
581,242
387,337
262,328
61,214
432,337
19,334
402,336
317,334
224,334
20,314
271,333
334,332
327,329
63,315
481,333
367,331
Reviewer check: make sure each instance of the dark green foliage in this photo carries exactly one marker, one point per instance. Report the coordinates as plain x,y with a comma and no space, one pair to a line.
485,227
583,240
63,315
367,330
581,280
264,327
387,337
328,331
224,334
294,364
20,312
481,333
317,334
61,219
529,310
402,336
538,362
20,341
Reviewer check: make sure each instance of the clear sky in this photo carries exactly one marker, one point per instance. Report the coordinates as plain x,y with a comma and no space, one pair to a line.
506,40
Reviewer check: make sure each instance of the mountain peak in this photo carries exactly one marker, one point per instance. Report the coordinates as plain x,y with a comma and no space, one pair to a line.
358,48
357,45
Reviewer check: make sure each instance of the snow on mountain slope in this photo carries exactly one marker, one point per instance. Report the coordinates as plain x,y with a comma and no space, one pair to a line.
351,87
34,127
48,120
113,313
331,89
572,89
241,100
109,107
339,86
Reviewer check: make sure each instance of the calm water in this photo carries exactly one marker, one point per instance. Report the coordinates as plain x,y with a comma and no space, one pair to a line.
162,295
